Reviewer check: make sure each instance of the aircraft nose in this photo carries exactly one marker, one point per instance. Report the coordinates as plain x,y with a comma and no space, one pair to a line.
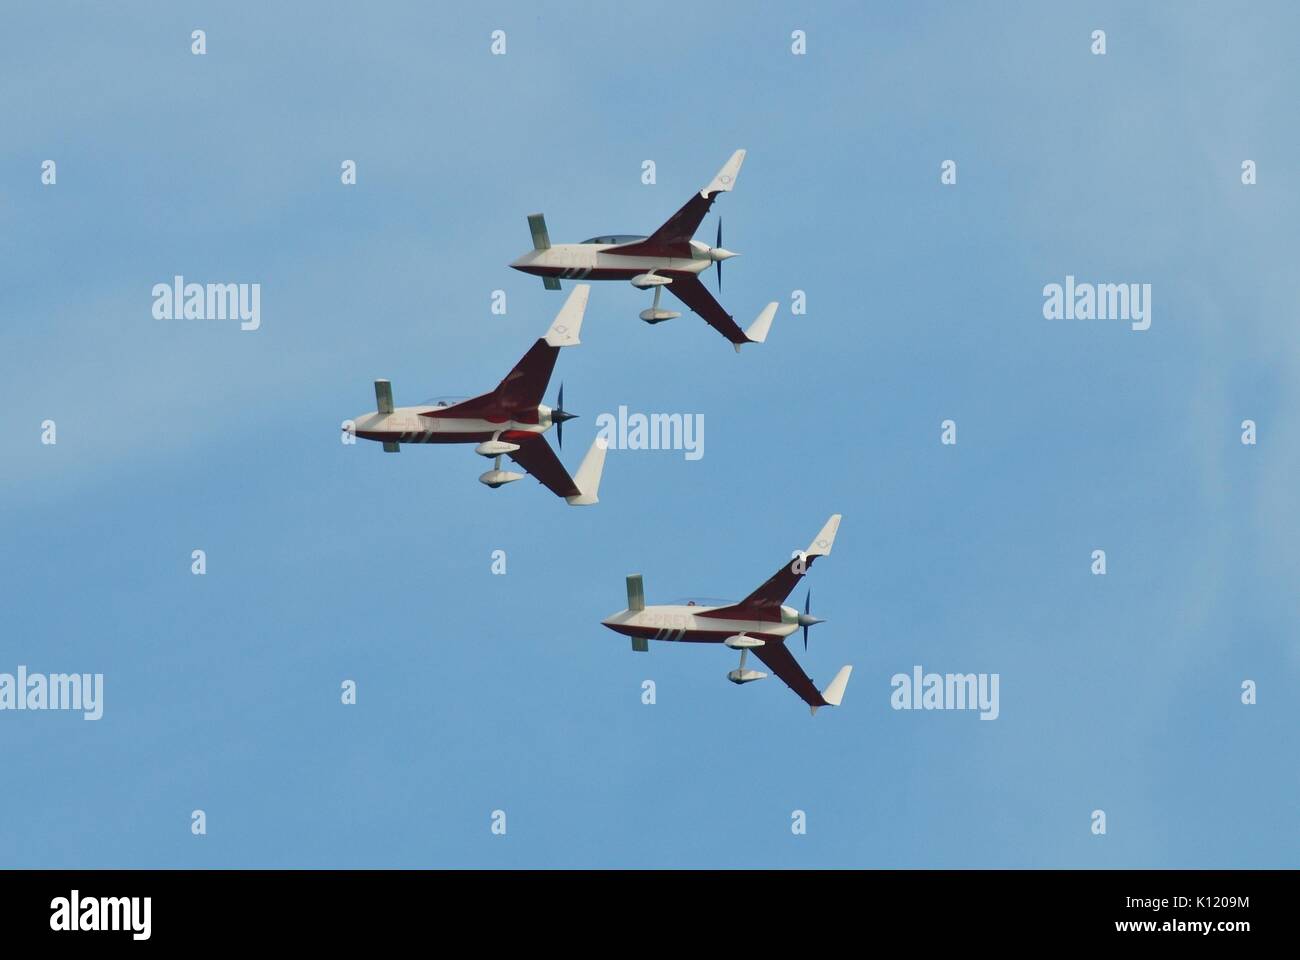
719,254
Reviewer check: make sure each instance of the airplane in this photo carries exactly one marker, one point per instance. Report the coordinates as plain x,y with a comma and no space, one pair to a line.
761,623
509,421
669,257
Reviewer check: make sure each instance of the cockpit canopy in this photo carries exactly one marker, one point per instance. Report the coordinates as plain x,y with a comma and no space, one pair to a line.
443,401
701,602
615,238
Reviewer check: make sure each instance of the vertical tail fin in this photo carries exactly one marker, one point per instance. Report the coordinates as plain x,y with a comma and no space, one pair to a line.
537,227
636,602
635,592
541,241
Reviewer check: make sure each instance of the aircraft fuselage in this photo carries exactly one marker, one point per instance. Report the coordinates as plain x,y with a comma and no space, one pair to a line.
687,623
408,425
590,261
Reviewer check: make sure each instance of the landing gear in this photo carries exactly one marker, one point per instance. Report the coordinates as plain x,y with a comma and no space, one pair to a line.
741,675
654,314
495,448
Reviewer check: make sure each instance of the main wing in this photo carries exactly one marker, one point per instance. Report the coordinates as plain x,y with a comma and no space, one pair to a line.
690,291
523,386
765,602
673,239
782,662
536,456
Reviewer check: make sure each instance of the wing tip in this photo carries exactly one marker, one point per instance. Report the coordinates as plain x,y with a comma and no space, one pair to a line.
587,479
834,692
757,331
825,539
564,329
725,178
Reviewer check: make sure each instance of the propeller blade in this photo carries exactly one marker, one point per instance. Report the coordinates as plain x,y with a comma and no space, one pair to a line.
559,424
807,607
718,263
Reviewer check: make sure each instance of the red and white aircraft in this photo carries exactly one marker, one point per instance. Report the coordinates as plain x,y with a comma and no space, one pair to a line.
669,257
761,623
509,421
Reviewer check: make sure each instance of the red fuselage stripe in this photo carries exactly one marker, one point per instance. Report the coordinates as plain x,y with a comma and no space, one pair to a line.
598,273
689,636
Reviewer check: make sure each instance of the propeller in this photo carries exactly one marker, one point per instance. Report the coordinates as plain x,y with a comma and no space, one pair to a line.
806,619
558,416
717,254
718,263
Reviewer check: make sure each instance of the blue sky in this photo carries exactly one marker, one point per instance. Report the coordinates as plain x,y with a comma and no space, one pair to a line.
479,692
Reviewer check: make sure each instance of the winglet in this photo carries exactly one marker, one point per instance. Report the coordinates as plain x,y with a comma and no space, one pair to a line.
834,693
587,480
726,177
563,331
757,331
821,545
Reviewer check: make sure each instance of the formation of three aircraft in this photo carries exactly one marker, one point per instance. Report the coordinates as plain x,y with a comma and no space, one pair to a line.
510,421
